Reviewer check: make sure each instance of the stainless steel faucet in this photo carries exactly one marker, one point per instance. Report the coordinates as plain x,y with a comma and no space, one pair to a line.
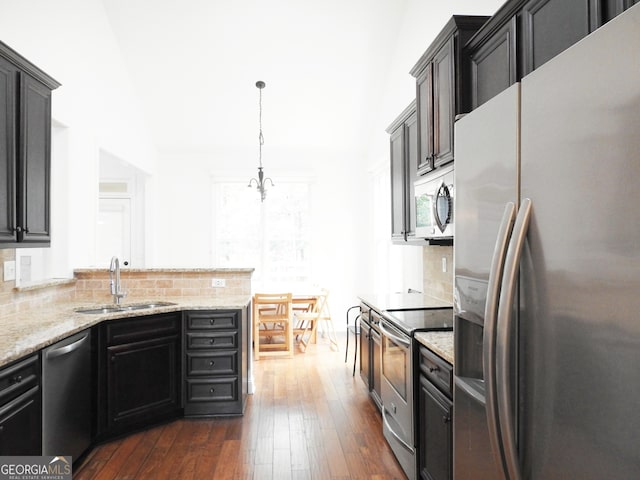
116,288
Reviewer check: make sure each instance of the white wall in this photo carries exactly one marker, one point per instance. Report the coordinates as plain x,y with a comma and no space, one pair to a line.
72,41
183,225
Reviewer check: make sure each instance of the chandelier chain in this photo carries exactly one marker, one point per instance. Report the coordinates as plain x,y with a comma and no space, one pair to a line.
261,181
260,136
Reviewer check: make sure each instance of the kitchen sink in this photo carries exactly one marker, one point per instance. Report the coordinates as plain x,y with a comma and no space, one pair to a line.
121,308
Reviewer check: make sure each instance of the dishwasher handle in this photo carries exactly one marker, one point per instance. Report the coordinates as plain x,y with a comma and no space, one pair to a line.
58,352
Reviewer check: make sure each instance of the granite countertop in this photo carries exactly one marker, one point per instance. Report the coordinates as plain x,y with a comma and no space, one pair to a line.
402,301
28,331
440,343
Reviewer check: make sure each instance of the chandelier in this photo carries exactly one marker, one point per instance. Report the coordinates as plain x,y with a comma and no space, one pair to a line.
261,182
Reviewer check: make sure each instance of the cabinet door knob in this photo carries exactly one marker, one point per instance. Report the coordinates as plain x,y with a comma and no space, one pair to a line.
434,369
212,341
211,322
211,390
17,379
446,418
212,363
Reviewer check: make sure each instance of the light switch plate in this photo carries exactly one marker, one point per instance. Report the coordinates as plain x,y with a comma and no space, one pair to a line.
218,282
9,270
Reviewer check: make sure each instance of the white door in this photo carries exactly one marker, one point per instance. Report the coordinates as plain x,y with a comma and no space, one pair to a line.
114,231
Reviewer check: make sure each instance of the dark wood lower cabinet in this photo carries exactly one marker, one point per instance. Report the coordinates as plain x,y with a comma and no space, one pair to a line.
138,376
435,417
365,346
20,408
143,382
215,362
20,425
142,372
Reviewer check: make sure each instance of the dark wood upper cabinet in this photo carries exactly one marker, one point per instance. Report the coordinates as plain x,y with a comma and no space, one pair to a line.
551,26
25,151
525,34
424,102
397,184
441,93
404,172
444,103
34,164
8,120
493,63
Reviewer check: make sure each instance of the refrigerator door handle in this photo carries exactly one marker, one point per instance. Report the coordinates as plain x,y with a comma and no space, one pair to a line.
504,327
489,338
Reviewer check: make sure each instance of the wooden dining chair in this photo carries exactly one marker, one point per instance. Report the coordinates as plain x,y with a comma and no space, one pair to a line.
272,320
307,323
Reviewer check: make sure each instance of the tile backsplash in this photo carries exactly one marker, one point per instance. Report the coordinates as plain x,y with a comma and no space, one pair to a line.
92,285
14,300
144,284
436,282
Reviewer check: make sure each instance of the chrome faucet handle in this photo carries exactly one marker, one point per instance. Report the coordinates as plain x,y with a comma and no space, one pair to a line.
118,296
115,285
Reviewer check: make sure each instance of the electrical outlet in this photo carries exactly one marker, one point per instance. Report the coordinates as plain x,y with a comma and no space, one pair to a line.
444,264
9,270
218,282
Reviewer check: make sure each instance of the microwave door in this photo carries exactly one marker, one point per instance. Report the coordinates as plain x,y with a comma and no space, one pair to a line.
425,223
442,207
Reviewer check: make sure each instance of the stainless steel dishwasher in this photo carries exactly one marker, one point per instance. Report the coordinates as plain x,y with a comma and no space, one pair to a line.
66,389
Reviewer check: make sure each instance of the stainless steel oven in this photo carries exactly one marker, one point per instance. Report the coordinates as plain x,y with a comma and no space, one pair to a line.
397,395
397,328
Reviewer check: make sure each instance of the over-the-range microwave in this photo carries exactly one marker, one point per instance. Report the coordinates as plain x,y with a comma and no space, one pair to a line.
434,195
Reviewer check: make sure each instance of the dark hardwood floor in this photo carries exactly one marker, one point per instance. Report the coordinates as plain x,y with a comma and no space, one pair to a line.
309,419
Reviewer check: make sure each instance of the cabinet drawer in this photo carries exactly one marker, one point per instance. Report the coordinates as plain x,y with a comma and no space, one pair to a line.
212,390
212,320
212,340
437,370
214,363
142,328
18,378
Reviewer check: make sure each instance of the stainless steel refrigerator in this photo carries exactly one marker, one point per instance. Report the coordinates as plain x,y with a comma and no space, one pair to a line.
547,269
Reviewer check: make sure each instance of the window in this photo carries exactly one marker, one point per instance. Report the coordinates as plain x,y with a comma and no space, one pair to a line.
272,236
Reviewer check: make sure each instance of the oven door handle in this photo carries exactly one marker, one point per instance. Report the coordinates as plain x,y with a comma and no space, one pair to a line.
395,435
394,337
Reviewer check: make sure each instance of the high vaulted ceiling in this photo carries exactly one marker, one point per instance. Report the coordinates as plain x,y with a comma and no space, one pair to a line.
194,64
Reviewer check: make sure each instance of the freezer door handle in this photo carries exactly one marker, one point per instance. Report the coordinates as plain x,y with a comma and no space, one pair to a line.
489,338
504,334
